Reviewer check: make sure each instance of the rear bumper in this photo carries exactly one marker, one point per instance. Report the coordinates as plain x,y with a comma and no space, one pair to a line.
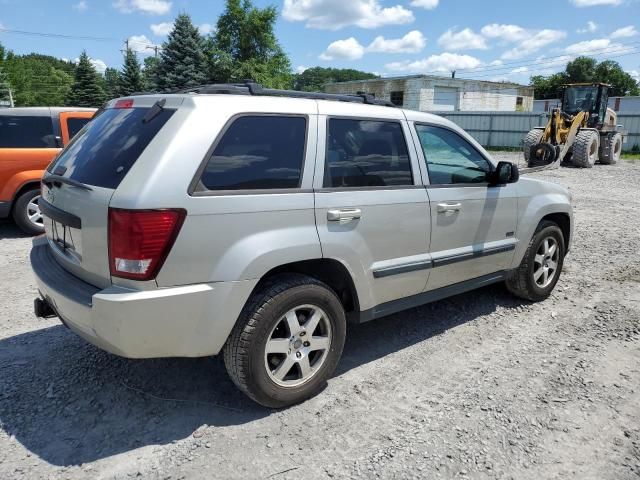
5,209
186,321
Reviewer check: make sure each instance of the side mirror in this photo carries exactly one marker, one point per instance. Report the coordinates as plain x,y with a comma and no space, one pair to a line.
505,172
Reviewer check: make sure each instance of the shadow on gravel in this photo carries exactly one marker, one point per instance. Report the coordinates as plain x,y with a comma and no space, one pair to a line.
10,230
70,403
376,339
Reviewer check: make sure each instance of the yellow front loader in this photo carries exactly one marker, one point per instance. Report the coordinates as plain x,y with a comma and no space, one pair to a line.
581,131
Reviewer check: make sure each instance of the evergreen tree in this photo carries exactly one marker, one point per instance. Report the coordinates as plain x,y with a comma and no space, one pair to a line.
182,62
112,82
245,47
150,74
86,90
131,78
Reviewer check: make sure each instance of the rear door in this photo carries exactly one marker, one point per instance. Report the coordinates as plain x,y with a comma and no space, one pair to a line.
372,212
71,123
473,223
79,184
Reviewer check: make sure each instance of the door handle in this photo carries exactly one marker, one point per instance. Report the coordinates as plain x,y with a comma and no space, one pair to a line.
338,214
449,207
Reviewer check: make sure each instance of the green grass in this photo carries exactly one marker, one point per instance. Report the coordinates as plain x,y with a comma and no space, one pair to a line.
631,156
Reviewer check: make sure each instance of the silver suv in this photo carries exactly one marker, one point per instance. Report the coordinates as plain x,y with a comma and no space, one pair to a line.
255,223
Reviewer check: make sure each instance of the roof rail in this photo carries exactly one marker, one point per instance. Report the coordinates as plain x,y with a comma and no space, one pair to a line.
252,88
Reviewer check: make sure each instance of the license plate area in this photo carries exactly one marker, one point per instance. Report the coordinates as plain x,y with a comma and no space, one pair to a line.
64,239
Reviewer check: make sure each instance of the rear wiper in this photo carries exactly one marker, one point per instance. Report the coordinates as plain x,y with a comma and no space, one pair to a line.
154,111
52,179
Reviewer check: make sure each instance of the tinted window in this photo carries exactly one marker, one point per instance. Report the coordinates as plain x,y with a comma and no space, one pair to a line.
74,125
450,158
26,132
258,153
366,153
103,153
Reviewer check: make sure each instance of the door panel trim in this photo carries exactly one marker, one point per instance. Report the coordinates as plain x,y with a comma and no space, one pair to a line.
439,262
412,267
399,305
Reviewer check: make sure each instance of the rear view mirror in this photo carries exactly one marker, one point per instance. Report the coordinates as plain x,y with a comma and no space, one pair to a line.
505,172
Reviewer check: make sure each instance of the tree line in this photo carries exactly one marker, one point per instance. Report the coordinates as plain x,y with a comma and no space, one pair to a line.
244,46
586,70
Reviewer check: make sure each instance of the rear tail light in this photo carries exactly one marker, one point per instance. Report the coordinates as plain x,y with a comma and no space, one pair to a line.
140,240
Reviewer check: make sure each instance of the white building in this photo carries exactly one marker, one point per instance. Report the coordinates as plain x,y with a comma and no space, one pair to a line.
429,93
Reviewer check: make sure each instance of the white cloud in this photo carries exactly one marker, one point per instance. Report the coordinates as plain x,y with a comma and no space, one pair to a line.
141,44
81,6
589,28
534,43
161,29
349,49
153,7
506,32
336,14
597,46
465,39
426,4
412,42
519,70
496,63
635,74
301,69
595,3
625,32
205,28
444,62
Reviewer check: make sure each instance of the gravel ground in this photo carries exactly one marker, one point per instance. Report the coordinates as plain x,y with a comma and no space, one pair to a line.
481,385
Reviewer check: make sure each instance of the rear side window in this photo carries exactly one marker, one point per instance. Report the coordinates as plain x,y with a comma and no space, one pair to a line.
26,132
103,153
366,153
74,125
258,152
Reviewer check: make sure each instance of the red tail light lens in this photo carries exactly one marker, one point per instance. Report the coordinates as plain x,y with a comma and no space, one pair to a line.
140,240
128,103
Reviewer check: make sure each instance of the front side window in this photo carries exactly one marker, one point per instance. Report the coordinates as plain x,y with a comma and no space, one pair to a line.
74,125
366,153
450,158
26,132
258,152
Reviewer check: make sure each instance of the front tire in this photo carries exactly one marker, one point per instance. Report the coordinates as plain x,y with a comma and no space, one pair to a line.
287,341
585,149
539,271
26,212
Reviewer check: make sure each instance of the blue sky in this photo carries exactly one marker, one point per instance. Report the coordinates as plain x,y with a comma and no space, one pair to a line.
489,40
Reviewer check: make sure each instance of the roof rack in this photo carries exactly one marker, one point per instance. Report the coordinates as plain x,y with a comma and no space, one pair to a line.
253,88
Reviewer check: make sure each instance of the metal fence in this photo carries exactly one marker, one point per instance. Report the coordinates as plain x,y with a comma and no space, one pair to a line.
508,129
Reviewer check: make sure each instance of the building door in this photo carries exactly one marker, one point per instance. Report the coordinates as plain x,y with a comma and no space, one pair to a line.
445,99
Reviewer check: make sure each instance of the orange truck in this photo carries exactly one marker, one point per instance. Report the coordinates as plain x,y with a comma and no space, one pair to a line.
30,138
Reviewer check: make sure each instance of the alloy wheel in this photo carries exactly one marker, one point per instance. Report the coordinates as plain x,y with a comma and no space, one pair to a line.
545,263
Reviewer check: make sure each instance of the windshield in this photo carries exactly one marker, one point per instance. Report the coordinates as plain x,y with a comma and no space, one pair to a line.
105,150
577,99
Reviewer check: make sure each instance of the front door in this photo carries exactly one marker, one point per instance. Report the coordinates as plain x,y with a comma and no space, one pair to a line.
473,224
371,210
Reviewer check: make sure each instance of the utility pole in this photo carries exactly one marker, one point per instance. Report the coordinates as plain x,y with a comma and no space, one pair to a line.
11,105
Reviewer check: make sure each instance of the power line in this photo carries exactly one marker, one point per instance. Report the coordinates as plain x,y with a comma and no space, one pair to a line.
59,35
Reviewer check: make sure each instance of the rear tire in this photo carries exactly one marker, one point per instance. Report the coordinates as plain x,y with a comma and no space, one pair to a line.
533,138
535,279
585,149
26,212
276,354
614,149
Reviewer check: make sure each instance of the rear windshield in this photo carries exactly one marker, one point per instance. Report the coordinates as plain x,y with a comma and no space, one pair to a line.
103,153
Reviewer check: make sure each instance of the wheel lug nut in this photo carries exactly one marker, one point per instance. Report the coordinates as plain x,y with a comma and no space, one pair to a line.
306,344
298,354
303,333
